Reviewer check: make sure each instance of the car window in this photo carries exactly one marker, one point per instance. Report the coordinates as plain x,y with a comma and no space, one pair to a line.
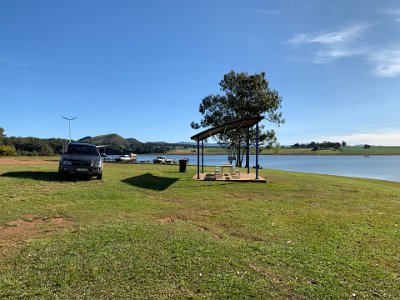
82,150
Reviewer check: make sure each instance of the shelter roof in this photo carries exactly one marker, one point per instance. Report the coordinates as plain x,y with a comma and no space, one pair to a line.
243,123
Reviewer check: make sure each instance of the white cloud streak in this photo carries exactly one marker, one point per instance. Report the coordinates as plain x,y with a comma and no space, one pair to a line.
392,12
14,62
269,11
382,137
328,55
386,62
344,43
331,38
332,45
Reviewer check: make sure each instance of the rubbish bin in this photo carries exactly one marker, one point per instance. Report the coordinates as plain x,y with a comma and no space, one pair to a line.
182,165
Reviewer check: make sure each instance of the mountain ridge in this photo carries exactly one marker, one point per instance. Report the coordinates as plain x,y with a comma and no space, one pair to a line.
119,145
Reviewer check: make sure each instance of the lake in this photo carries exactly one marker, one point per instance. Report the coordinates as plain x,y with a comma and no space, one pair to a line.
386,167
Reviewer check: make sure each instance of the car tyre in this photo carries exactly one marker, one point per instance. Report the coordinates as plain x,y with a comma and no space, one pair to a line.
100,177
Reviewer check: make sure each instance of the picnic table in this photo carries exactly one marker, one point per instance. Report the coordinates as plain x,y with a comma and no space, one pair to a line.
226,166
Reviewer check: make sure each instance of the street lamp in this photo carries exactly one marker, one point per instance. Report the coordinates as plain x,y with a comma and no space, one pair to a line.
69,126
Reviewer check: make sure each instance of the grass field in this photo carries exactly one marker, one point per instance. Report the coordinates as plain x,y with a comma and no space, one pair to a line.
375,150
148,231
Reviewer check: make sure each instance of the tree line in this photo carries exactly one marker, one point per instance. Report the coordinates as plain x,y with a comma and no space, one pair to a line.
142,148
32,146
320,146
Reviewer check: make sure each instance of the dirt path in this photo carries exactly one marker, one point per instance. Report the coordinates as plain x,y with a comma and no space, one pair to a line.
17,232
13,161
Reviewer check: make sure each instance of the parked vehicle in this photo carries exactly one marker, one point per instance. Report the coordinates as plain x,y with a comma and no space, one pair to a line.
160,160
170,161
132,158
81,158
163,160
122,158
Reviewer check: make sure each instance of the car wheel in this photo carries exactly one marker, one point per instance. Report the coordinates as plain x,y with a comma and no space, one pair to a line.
100,176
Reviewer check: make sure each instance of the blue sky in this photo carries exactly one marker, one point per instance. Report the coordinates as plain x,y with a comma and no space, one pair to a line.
141,68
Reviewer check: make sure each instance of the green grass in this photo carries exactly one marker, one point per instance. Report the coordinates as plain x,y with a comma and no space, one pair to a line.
300,236
374,150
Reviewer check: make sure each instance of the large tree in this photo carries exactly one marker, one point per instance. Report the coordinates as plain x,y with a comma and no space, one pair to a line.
245,96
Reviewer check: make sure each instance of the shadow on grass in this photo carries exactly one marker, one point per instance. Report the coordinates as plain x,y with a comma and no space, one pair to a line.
42,176
151,182
200,185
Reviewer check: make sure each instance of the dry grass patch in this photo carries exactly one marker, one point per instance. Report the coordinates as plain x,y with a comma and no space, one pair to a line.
17,232
12,161
166,220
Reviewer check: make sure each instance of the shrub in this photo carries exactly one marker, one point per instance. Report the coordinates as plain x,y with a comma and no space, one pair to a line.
7,150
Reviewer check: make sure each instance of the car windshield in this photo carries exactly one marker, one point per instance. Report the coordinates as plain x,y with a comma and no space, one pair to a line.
82,150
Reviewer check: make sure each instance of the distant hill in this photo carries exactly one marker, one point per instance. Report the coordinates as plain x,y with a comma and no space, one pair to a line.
116,144
111,139
187,143
132,140
195,143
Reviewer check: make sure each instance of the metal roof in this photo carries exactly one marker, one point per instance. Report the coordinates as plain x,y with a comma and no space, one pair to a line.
244,123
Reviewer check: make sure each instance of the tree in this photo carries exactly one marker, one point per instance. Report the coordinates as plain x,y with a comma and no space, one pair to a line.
366,146
2,135
344,144
245,96
297,145
7,150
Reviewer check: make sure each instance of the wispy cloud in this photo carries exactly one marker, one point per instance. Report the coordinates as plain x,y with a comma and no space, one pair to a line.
334,44
323,3
392,12
14,62
386,62
383,137
330,46
268,11
328,55
345,35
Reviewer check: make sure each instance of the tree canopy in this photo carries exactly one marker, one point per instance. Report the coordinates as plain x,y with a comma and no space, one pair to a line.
245,96
320,146
5,150
1,135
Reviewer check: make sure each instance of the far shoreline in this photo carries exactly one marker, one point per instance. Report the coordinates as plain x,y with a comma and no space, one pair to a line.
348,151
280,154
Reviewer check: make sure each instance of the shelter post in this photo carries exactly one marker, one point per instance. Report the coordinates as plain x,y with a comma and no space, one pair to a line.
202,156
257,150
198,158
248,150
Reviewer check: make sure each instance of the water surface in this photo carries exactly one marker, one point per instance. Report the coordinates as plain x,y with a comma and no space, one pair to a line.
386,167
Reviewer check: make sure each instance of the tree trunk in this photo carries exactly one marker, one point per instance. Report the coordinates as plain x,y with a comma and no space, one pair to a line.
238,156
247,147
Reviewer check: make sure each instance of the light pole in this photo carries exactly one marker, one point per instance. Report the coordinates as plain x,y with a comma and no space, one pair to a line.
69,126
